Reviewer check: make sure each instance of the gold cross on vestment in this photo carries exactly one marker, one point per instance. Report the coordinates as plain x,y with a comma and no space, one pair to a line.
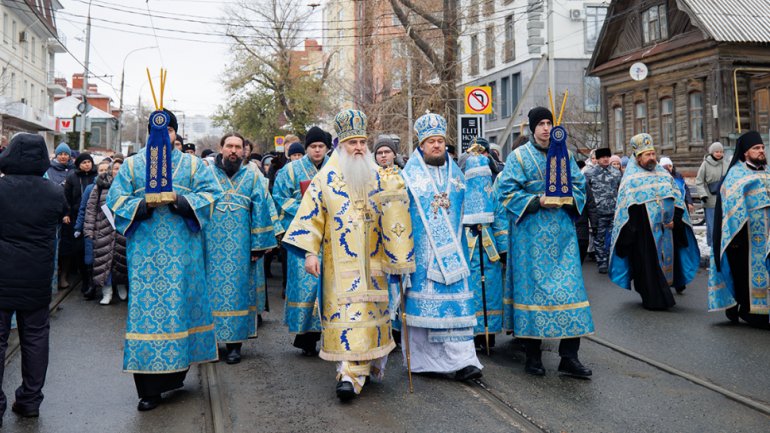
364,215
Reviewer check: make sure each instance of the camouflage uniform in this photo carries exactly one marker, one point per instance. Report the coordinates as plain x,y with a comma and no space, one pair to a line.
603,183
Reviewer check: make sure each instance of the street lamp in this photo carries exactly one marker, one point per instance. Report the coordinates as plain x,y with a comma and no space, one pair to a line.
122,83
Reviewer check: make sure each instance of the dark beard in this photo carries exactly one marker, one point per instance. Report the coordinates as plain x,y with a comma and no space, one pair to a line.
436,161
759,162
650,166
230,167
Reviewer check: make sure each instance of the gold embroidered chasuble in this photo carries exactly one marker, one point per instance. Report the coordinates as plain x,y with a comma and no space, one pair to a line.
346,230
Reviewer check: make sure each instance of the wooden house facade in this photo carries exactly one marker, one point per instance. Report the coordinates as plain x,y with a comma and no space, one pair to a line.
699,55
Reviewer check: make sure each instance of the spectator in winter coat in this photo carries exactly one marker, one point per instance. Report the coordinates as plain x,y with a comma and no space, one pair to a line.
31,209
89,292
74,186
61,164
708,180
666,163
110,269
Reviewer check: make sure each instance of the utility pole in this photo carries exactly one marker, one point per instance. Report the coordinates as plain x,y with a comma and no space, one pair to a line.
551,61
409,108
137,146
82,144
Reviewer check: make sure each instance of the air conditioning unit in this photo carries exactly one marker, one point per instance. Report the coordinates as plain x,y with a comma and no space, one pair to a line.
23,36
576,14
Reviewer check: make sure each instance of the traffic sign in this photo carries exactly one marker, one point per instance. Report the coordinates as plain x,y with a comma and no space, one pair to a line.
478,100
471,126
278,142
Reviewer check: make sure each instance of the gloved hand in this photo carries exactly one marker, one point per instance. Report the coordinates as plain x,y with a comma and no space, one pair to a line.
77,235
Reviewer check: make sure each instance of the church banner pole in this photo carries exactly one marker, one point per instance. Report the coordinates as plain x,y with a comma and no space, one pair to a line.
405,331
483,287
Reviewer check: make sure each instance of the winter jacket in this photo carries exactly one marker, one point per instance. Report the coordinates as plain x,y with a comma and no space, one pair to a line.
710,171
683,187
109,246
57,172
31,208
604,184
82,209
76,183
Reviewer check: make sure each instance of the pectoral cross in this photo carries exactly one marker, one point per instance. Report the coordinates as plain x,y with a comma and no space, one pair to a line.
364,215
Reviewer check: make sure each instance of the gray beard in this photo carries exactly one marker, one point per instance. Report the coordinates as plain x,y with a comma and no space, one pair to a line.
436,161
358,172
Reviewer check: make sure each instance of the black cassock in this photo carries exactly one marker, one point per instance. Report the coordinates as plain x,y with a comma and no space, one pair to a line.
636,242
738,258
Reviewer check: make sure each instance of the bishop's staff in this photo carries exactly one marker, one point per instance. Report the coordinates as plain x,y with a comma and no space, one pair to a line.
399,245
483,286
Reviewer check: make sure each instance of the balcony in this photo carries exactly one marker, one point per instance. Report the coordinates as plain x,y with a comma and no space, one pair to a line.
25,116
54,87
57,45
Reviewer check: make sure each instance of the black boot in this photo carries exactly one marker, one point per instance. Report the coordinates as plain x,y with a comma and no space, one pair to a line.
534,366
468,373
87,286
345,391
573,367
233,353
148,403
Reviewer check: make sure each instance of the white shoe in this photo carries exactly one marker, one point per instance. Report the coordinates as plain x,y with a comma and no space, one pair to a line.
106,295
122,292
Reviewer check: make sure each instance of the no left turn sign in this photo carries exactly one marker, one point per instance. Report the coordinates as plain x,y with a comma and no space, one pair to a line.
478,100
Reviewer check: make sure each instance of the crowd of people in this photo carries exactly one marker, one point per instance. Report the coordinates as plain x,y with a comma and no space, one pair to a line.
377,248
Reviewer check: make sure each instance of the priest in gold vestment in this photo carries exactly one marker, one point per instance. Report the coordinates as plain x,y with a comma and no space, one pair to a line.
344,216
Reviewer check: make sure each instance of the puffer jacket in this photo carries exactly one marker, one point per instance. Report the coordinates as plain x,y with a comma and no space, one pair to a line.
57,172
710,171
109,246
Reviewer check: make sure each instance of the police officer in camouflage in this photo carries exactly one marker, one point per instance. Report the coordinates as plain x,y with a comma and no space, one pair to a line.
603,181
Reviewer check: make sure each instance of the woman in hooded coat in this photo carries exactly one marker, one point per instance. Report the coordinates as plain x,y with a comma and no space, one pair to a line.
71,250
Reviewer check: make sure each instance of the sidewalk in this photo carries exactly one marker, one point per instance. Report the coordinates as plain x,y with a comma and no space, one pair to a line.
85,389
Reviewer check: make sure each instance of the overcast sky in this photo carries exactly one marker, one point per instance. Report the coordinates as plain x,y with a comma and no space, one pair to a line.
195,60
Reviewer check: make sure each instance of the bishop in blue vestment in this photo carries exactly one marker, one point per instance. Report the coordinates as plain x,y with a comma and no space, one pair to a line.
544,272
440,309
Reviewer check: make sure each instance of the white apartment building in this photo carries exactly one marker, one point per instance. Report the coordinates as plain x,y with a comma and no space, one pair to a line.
502,42
340,18
27,63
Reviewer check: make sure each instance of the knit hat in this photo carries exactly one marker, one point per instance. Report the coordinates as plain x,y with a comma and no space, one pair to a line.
641,143
604,151
615,158
624,161
295,148
118,157
317,135
385,141
430,125
666,161
206,152
716,147
536,115
83,157
63,148
483,142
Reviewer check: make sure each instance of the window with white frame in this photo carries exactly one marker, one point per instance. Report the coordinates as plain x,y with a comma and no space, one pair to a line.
696,116
618,128
640,117
509,49
591,94
654,24
593,25
667,124
489,51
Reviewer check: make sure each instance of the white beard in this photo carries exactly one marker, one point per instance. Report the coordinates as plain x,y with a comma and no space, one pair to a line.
358,171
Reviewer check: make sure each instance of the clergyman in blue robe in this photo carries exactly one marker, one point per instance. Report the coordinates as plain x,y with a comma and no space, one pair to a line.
170,325
652,238
240,231
301,313
739,275
544,272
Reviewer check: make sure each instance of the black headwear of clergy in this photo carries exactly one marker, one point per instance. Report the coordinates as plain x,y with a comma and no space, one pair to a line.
316,134
537,114
744,143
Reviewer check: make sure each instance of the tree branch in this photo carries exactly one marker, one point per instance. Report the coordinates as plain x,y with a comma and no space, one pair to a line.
421,44
423,13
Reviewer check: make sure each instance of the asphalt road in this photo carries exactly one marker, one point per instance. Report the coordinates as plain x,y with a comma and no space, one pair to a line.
276,389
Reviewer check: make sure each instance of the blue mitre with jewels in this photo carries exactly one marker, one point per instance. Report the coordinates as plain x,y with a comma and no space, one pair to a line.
479,198
350,124
429,125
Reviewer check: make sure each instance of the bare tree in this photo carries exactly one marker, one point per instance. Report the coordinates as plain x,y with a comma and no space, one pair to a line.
265,32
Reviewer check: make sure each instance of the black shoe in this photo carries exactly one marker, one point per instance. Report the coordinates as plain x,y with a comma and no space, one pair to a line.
259,320
732,314
468,373
534,366
680,289
148,403
573,367
345,391
233,354
26,414
602,269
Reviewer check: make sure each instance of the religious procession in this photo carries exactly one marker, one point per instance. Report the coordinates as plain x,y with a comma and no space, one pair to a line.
348,276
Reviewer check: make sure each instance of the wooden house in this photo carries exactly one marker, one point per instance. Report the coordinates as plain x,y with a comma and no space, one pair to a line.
688,72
